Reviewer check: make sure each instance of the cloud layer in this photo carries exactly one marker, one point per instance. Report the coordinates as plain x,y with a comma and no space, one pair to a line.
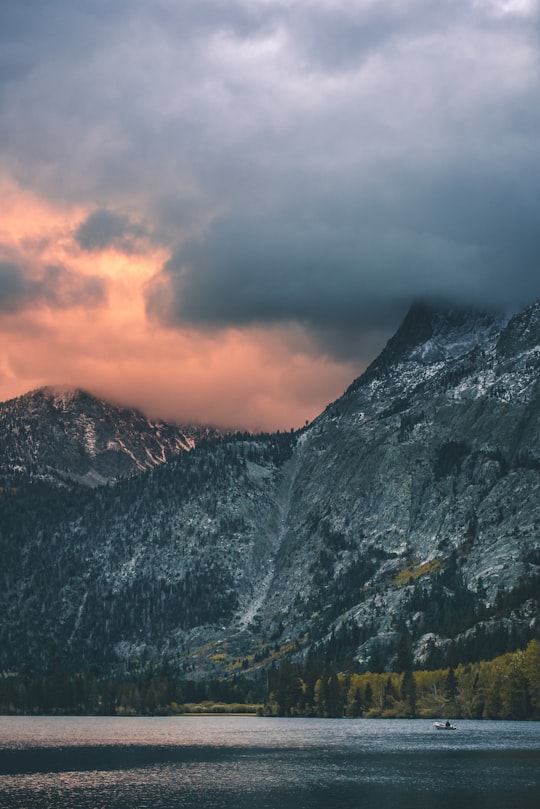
283,166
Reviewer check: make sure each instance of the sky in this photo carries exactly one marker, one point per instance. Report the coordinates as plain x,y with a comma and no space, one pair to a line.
219,211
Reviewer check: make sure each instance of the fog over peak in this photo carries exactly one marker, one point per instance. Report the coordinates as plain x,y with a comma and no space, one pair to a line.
283,164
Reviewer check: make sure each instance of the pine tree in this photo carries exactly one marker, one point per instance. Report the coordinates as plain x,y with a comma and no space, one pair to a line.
450,686
408,691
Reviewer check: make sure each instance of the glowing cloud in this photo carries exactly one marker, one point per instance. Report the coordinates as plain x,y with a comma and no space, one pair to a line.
206,203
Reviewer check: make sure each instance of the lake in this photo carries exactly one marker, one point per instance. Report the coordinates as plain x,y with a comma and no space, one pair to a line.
257,763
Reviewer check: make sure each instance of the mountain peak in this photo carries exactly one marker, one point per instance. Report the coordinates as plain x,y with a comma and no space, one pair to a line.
62,393
522,332
410,509
416,329
61,397
432,333
65,433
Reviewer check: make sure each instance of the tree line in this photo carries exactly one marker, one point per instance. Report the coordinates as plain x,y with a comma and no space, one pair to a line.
507,687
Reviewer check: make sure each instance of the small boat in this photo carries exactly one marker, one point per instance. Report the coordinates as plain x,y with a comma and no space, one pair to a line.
444,726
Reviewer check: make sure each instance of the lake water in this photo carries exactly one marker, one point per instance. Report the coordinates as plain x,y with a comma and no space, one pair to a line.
256,763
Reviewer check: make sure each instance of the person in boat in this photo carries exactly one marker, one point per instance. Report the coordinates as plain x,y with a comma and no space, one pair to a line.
447,724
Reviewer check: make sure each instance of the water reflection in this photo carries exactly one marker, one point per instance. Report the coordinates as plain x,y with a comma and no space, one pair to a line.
221,763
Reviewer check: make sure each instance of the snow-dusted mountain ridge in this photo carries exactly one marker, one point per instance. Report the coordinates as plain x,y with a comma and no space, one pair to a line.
65,433
409,507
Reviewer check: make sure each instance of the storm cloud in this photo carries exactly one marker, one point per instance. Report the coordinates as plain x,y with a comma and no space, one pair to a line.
103,229
314,163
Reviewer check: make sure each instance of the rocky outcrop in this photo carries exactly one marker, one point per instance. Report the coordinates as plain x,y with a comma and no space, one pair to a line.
409,509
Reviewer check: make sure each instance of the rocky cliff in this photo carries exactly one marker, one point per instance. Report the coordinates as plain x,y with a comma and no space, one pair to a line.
408,513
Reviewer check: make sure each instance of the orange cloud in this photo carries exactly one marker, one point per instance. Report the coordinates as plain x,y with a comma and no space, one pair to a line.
256,378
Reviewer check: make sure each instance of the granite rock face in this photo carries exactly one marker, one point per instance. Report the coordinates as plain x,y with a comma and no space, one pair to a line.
409,508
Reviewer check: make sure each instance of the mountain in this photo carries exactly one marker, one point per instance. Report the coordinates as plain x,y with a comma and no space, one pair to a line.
407,515
66,434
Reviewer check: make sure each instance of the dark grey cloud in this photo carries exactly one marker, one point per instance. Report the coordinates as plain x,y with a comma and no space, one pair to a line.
53,286
255,269
346,269
103,228
250,281
314,162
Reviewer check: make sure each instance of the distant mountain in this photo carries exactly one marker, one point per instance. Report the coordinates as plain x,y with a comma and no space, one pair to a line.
406,516
63,433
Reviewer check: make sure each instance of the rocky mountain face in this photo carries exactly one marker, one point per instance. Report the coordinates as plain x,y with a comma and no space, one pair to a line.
405,520
66,434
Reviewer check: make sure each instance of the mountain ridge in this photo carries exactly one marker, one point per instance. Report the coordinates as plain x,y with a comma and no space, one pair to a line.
66,433
410,508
